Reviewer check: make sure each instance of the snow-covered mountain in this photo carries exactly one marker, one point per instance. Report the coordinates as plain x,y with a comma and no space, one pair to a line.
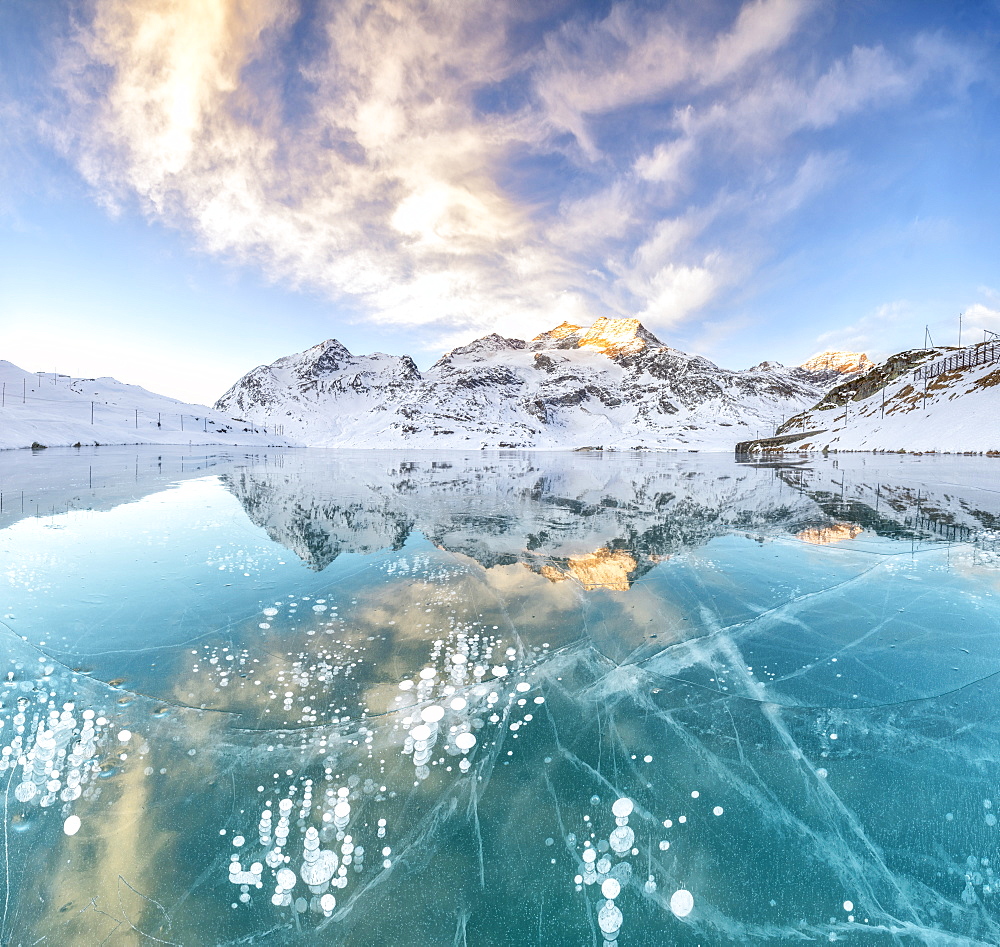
612,386
923,400
44,409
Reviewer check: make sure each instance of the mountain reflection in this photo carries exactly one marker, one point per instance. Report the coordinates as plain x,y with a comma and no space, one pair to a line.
600,522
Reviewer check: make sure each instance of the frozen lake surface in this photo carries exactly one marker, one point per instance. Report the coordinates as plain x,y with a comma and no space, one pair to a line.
490,699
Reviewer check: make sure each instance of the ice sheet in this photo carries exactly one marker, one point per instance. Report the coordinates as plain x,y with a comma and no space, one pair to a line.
512,699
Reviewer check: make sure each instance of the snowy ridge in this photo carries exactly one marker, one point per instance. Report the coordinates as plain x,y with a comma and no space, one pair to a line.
894,407
612,386
50,410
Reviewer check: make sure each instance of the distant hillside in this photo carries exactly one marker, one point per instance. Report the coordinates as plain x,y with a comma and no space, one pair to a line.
48,410
919,401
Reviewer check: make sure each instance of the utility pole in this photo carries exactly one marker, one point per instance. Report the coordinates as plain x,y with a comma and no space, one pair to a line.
137,419
91,412
960,330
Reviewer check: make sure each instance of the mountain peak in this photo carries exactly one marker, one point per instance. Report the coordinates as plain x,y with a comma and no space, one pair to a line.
320,359
610,336
619,337
846,363
562,331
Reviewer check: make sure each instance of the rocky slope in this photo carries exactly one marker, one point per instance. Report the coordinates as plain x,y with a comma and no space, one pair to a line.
923,400
612,386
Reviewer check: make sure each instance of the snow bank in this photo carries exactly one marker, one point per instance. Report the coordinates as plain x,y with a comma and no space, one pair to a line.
49,410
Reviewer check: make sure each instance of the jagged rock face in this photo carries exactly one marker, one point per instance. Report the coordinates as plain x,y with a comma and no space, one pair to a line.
844,363
613,385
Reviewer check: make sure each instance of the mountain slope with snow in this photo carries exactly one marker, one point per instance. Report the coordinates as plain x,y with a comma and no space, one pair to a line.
612,386
924,400
44,409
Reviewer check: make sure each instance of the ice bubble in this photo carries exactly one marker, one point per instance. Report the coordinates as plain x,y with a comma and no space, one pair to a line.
664,845
25,791
695,794
523,686
238,841
432,714
458,659
404,686
270,612
459,703
611,889
500,670
328,902
622,839
718,810
622,808
609,918
682,903
421,732
589,855
320,871
286,878
848,906
465,741
72,825
124,736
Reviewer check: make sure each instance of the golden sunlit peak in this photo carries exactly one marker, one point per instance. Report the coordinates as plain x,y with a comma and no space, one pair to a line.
610,336
844,362
618,336
561,331
603,569
827,535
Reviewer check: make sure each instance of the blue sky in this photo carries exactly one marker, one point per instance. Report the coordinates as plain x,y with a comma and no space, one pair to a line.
189,188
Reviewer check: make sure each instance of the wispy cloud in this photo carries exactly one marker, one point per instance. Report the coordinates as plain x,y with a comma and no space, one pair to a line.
448,164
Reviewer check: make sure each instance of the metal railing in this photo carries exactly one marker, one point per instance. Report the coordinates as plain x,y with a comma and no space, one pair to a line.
979,354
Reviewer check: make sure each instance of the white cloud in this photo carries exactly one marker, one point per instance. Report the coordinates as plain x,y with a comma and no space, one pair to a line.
381,182
978,317
869,333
